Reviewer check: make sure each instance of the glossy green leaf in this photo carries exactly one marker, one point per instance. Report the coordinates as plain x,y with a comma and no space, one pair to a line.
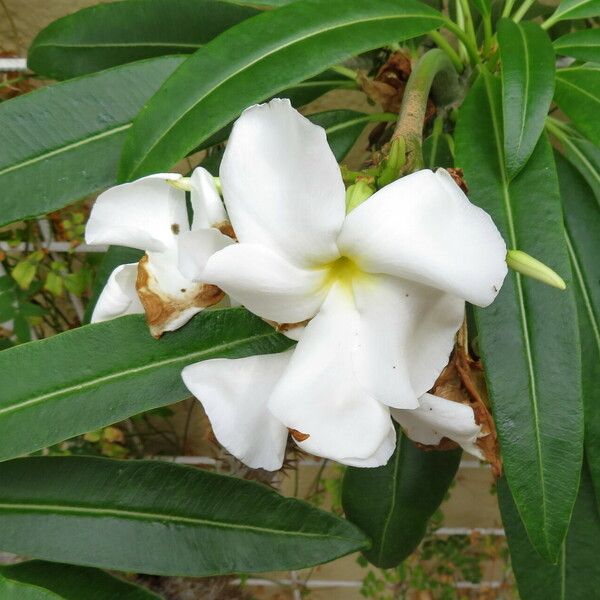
343,127
298,94
99,374
584,45
585,156
437,151
577,572
281,48
582,220
161,518
114,256
527,88
75,583
62,142
574,9
392,504
528,337
15,590
262,3
578,96
112,34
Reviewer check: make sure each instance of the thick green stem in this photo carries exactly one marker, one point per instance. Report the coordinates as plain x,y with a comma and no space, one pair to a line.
432,66
468,19
508,8
523,10
488,34
465,39
444,45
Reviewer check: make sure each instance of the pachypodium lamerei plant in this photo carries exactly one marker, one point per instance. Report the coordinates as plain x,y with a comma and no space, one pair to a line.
383,313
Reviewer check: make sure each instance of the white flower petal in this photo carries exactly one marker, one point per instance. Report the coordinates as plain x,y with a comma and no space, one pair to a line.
319,395
234,393
119,296
196,247
206,203
282,184
266,283
145,214
437,418
381,455
407,333
423,227
170,300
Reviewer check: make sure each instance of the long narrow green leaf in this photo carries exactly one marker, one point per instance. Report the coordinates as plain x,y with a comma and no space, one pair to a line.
15,590
161,518
280,48
62,142
578,96
585,156
298,94
574,9
584,45
577,572
99,374
529,336
392,504
527,88
75,583
107,35
582,220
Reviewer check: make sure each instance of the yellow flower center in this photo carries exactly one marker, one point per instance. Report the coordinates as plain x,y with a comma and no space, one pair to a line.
343,271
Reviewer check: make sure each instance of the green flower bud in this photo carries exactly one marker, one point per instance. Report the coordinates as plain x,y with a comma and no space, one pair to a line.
531,267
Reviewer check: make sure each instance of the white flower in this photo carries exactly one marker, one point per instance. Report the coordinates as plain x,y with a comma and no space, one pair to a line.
151,215
382,288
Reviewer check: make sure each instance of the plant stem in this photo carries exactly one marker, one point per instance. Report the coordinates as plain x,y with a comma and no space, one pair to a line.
468,19
523,10
460,21
508,8
345,71
433,65
488,35
444,45
465,39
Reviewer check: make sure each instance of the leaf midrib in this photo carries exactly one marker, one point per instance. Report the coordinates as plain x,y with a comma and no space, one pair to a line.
568,141
579,89
520,295
312,33
120,45
135,370
585,292
568,11
388,518
526,90
141,515
66,148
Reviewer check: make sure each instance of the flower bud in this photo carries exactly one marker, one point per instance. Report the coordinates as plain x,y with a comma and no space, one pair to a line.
531,267
357,193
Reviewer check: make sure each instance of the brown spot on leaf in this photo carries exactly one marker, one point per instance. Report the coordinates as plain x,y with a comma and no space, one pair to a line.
298,435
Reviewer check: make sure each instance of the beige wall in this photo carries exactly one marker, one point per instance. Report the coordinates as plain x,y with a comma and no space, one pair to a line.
21,20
